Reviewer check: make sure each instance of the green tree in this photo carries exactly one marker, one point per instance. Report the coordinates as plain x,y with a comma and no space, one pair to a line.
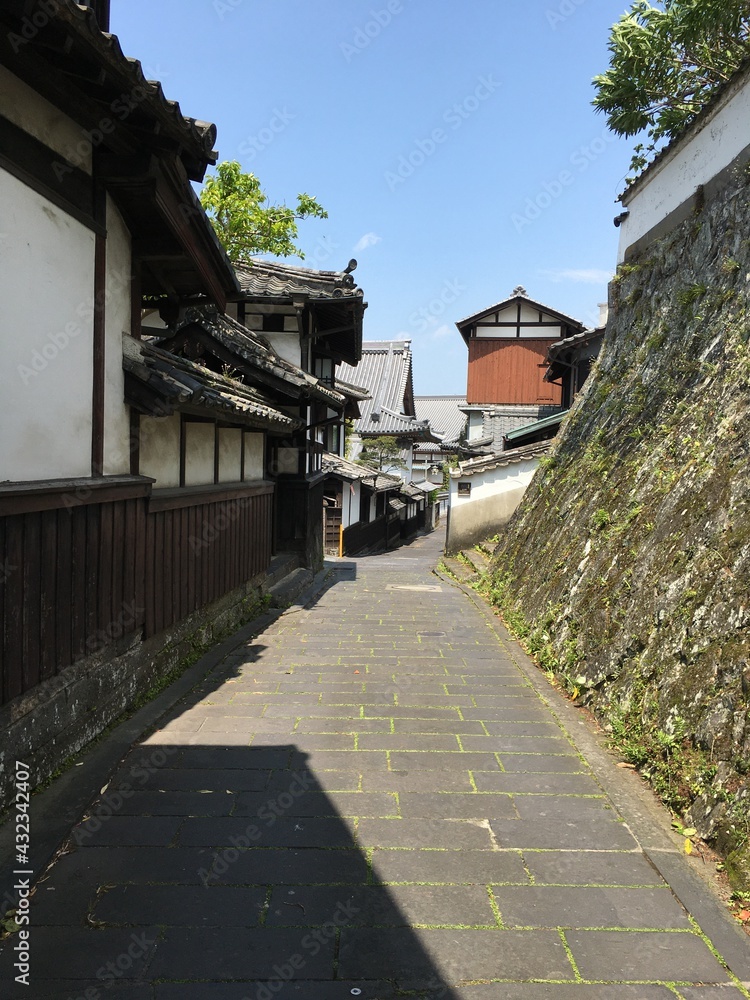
245,222
382,453
666,62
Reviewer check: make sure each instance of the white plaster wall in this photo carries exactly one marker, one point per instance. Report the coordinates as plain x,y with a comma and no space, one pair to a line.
117,323
695,160
230,455
254,457
494,497
475,426
199,454
350,503
531,315
286,345
160,450
487,484
46,337
288,461
35,115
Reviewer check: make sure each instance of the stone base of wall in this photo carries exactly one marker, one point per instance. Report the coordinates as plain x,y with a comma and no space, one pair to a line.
472,522
59,717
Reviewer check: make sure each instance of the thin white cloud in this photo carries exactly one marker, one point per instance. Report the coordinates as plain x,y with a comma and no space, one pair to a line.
443,331
368,240
584,276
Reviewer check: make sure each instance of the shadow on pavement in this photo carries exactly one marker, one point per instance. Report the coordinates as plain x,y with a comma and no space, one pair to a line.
231,873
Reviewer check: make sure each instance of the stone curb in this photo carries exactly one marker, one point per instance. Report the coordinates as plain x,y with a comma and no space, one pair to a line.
57,809
647,819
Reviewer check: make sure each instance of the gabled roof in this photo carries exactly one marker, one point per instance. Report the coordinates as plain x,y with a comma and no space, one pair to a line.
254,351
273,280
518,296
159,383
386,371
353,472
491,462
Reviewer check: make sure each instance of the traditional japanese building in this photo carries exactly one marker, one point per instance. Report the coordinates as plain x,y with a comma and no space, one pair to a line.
506,386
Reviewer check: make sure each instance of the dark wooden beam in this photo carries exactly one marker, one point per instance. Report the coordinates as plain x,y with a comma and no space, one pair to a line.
99,335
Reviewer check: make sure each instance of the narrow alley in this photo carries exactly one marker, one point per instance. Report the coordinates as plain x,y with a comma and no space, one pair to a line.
379,796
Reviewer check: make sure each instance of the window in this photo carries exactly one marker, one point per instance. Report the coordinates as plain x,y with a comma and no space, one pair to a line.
273,323
464,489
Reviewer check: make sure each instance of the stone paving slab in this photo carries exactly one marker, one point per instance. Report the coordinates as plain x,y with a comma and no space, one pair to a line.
301,831
564,991
531,783
452,805
430,833
72,953
456,955
380,906
644,955
193,906
536,906
458,867
370,796
582,867
241,953
299,990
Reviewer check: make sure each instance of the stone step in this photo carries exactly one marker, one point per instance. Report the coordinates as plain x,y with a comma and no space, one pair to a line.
459,569
282,565
478,559
286,591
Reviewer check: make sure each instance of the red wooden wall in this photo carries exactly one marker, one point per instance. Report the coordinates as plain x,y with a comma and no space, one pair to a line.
510,372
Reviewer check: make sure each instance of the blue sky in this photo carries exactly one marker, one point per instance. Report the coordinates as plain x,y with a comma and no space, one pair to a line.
453,144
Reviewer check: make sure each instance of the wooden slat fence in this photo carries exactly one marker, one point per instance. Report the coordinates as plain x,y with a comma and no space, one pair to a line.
74,577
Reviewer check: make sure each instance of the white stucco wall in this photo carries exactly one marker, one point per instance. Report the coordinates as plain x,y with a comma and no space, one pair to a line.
286,345
494,497
35,115
350,499
487,484
230,455
703,153
199,454
117,323
160,450
46,297
254,457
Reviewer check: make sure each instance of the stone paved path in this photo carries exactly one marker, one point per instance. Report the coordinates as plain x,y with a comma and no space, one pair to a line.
369,799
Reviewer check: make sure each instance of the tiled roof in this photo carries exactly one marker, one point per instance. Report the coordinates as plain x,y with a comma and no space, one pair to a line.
123,75
354,472
490,462
176,383
254,349
523,298
274,280
351,391
444,416
576,341
386,371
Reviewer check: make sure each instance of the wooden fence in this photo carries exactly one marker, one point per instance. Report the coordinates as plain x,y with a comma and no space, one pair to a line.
84,564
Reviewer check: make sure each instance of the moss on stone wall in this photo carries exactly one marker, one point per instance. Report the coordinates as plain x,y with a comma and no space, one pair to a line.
627,565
